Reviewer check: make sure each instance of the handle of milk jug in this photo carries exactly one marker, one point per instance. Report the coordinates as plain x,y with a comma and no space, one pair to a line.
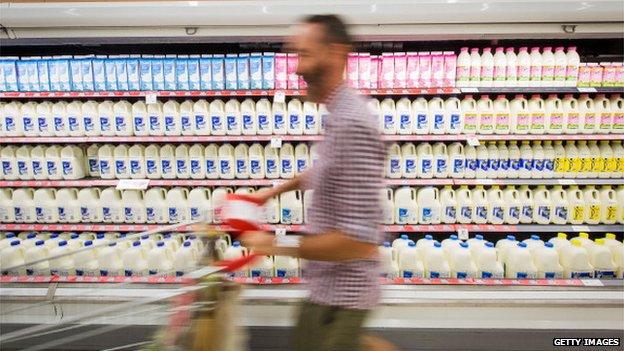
298,195
163,192
413,192
98,191
389,193
436,193
186,192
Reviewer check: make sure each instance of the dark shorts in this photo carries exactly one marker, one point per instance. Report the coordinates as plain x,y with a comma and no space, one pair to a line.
328,328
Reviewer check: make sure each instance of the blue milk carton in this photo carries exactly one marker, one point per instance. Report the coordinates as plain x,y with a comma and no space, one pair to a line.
169,72
99,73
22,75
242,71
255,70
205,72
145,66
44,73
111,73
132,66
10,74
87,73
33,74
231,81
122,72
53,67
218,78
75,69
2,80
158,75
193,72
268,70
64,73
182,72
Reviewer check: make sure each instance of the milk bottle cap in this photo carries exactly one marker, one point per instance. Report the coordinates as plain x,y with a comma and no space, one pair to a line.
386,244
411,243
521,244
234,244
489,244
54,235
99,236
437,244
39,243
535,237
479,237
160,244
610,236
549,244
9,235
136,243
88,243
600,241
62,243
31,236
453,237
584,235
74,236
188,243
15,242
404,236
464,245
576,242
428,237
511,237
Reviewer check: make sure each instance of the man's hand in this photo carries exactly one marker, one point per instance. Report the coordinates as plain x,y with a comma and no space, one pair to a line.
259,242
263,195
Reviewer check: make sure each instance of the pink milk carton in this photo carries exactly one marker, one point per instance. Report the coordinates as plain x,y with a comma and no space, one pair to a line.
608,74
293,79
352,70
374,71
584,75
437,69
450,68
595,79
424,65
364,70
412,69
302,83
400,70
387,71
281,71
619,74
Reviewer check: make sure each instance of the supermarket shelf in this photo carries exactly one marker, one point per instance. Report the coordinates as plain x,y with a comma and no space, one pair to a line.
416,228
528,90
287,138
270,182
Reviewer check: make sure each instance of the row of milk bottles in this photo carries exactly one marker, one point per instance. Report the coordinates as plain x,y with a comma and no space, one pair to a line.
509,205
121,118
164,254
501,116
155,205
508,258
505,68
263,266
528,159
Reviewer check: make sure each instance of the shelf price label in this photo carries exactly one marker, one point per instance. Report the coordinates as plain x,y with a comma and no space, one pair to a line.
279,96
276,142
150,97
462,233
132,184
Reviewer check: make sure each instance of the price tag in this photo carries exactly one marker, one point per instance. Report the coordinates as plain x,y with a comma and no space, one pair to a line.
276,182
469,90
279,96
485,181
580,228
150,97
566,181
586,90
280,231
473,140
132,184
276,142
462,233
591,282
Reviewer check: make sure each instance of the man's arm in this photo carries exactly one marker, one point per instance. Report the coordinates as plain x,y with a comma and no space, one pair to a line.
293,184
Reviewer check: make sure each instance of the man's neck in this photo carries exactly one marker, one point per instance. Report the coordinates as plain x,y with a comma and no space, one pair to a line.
327,86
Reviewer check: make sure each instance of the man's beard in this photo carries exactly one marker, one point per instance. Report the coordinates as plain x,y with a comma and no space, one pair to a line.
314,82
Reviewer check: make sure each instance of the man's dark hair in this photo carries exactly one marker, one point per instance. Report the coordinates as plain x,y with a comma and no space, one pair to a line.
335,28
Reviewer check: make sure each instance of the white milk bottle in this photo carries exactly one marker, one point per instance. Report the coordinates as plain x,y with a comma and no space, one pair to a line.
136,161
448,205
424,167
286,267
200,205
171,118
536,67
512,68
486,115
524,67
453,116
217,118
575,261
482,206
462,266
555,115
601,259
8,238
591,197
24,205
112,207
472,164
249,118
587,114
35,253
123,121
608,205
561,164
470,114
585,158
571,115
604,114
45,123
211,155
549,160
475,244
428,199
323,115
410,265
424,245
90,118
7,212
295,117
272,208
548,67
302,158
67,205
73,162
389,116
236,251
53,162
394,162
573,164
494,160
483,161
505,160
502,247
487,68
436,264
440,160
109,261
241,161
90,208
526,160
542,213
466,207
177,198
533,242
537,111
155,205
457,160
311,119
546,259
153,167
408,164
121,169
45,205
500,68
496,212
387,257
463,68
404,116
287,161
387,202
186,118
155,119
594,162
586,242
374,107
502,112
520,116
279,111
437,115
226,161
265,117
605,164
576,205
617,108
218,197
559,200
450,244
62,266
256,161
85,263
201,115
9,163
167,161
422,119
233,118
134,261
59,118
19,119
406,207
106,118
184,259
573,61
538,160
475,68
526,199
272,161
134,207
487,265
519,264
561,62
513,206
291,205
196,162
140,124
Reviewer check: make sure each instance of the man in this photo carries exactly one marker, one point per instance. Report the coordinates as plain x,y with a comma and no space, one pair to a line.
342,270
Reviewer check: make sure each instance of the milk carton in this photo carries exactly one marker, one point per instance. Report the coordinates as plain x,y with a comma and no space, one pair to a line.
171,118
218,122
112,206
241,161
406,208
483,161
519,264
153,166
465,205
451,244
85,262
429,205
409,262
404,117
500,67
167,162
591,196
109,261
134,261
23,165
18,119
255,70
424,167
256,161
262,267
45,205
512,68
74,119
134,207
436,264
406,157
242,71
575,261
38,162
387,257
34,253
542,205
394,161
23,205
546,259
498,207
287,161
268,70
272,210
422,119
265,117
186,118
199,118
182,162
9,163
482,206
121,169
475,68
273,164
440,160
72,162
437,114
178,205
291,204
136,161
617,107
457,160
463,68
608,205
588,115
45,121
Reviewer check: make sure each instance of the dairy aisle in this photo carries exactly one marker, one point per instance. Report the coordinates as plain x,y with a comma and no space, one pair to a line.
503,198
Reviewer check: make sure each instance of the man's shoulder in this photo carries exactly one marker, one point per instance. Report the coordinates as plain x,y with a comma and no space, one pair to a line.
353,109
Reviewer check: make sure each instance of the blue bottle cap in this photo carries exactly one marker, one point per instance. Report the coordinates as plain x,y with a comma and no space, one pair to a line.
386,244
464,245
75,236
535,237
521,244
511,237
479,237
489,244
236,244
15,242
100,236
428,237
88,243
411,244
404,236
160,244
454,237
188,243
62,243
136,243
547,244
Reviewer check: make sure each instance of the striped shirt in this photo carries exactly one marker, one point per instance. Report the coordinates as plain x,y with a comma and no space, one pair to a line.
347,181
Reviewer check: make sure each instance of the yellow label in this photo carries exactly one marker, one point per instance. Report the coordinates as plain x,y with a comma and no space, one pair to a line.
576,164
620,164
611,164
594,212
587,164
611,213
578,213
599,164
562,164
